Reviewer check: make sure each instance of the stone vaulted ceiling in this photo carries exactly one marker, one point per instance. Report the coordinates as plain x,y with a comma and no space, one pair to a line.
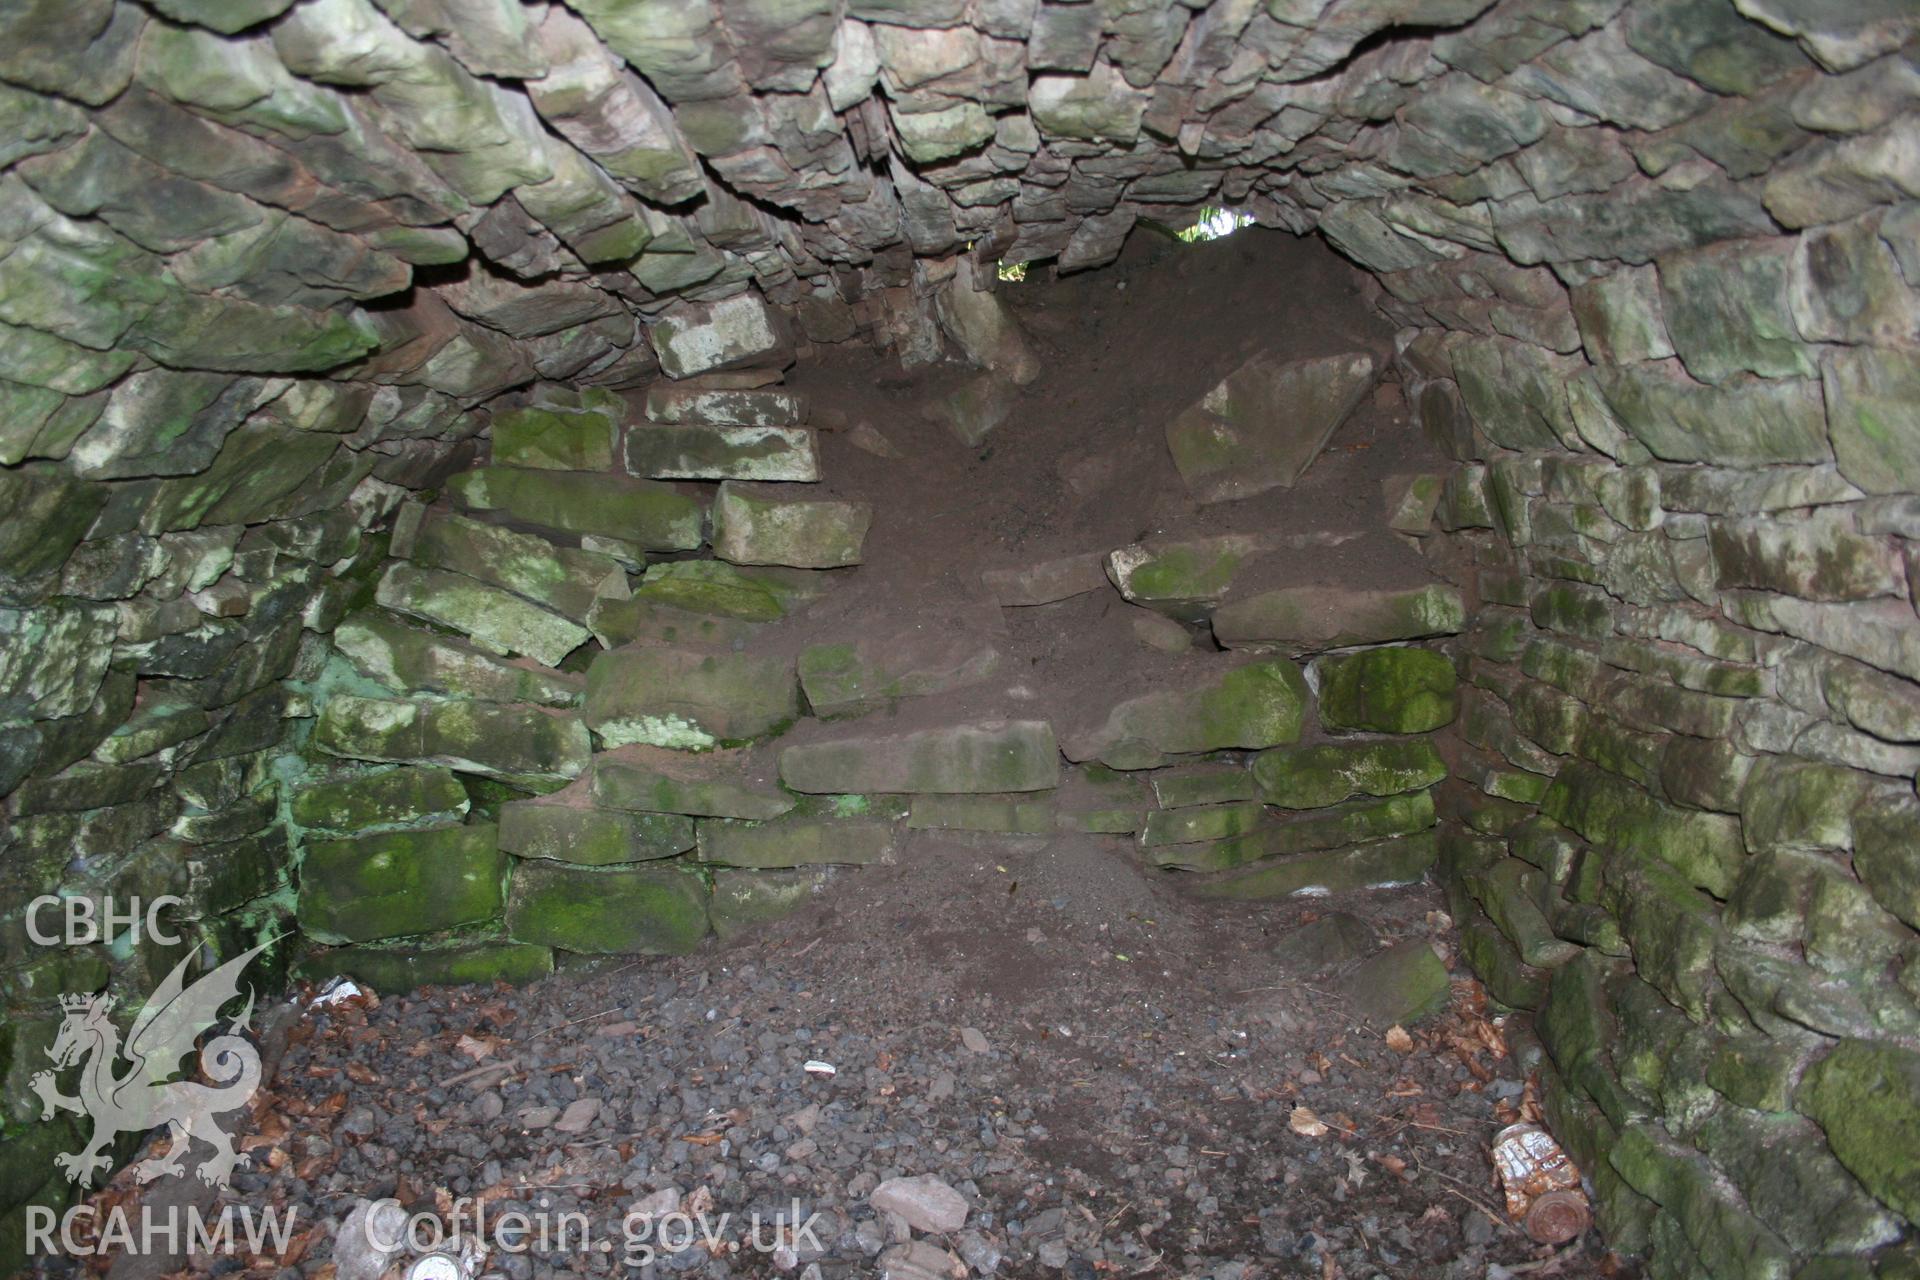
257,187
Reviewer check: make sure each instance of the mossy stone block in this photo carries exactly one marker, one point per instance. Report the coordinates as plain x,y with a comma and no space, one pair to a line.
1510,980
400,883
688,699
1886,854
722,452
410,659
565,580
154,727
988,757
1364,866
644,620
552,440
718,785
722,590
1323,829
1724,1237
1309,619
494,619
1512,893
1706,849
1394,690
1183,580
473,737
876,670
1787,1174
796,840
1398,986
373,801
656,516
1671,927
1020,814
1318,776
389,969
1200,823
581,834
1260,704
1185,785
744,900
752,525
1866,1097
643,910
1760,1072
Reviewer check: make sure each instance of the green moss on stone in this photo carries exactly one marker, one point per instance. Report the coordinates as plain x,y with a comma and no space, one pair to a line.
1399,986
714,588
796,840
485,738
644,910
991,757
549,440
388,969
1706,849
1186,785
399,883
717,785
657,516
413,659
1260,704
1386,862
1510,979
1866,1096
1318,776
1200,822
1021,814
577,833
1325,829
688,699
1393,690
372,801
745,900
752,527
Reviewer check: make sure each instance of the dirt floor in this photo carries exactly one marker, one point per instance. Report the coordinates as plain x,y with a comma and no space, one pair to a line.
1119,1080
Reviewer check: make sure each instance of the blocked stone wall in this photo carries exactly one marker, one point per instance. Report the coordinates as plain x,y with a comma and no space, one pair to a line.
266,268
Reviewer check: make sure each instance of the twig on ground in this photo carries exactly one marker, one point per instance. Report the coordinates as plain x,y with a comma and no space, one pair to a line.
575,1022
506,1066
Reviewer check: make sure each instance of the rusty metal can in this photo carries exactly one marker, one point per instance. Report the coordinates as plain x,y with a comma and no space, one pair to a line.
1542,1184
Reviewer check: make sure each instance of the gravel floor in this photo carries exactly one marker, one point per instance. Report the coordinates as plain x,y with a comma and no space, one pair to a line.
1107,1073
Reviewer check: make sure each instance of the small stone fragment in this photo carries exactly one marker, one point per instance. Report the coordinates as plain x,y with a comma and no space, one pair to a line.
926,1203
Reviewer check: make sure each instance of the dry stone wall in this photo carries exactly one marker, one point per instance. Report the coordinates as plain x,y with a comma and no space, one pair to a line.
265,268
1681,404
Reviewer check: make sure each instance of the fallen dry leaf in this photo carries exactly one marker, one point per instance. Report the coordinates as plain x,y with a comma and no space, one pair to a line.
1306,1124
1398,1040
477,1047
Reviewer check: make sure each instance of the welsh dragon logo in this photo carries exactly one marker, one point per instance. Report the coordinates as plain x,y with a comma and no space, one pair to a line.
148,1093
